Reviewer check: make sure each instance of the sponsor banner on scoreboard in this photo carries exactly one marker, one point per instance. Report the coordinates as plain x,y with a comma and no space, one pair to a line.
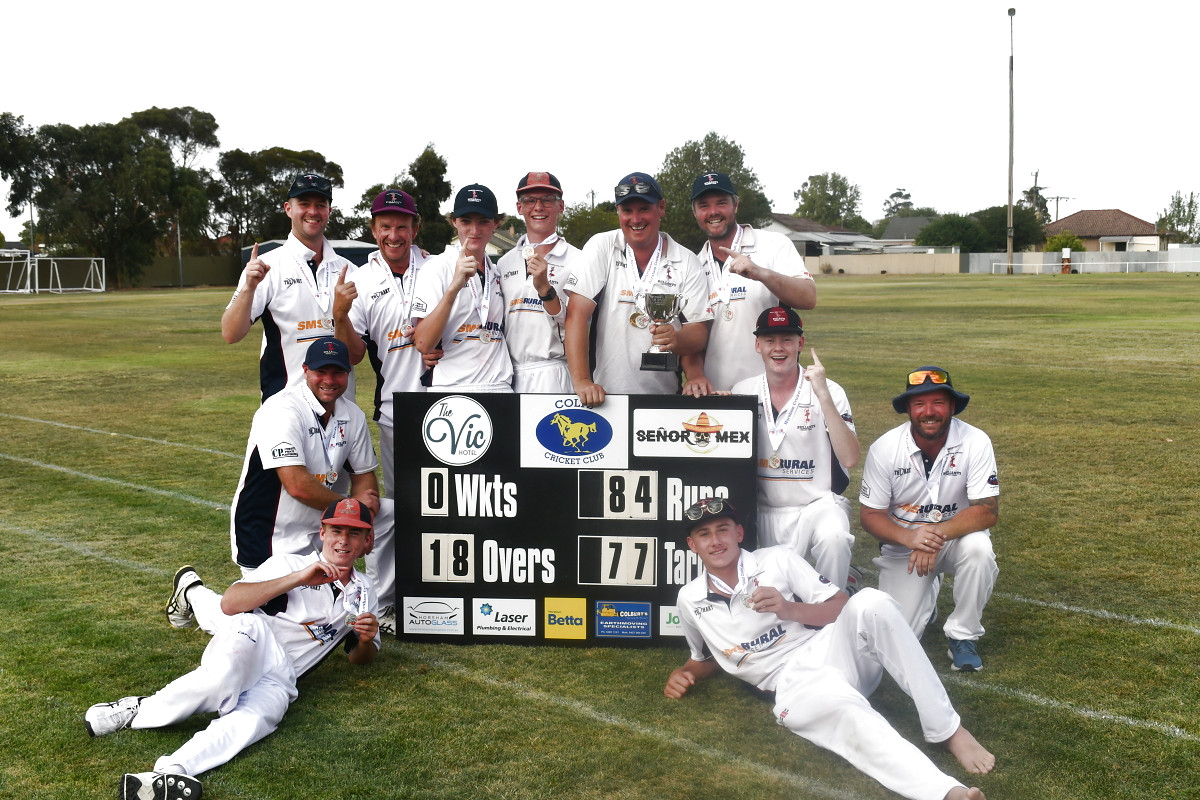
668,621
688,433
501,616
567,435
434,615
622,620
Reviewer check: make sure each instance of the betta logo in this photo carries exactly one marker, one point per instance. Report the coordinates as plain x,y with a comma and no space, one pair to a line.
574,432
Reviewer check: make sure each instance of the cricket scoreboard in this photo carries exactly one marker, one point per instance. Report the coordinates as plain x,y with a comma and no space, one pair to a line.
531,519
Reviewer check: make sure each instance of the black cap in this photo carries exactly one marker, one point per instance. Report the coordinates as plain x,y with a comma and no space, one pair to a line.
307,183
475,198
929,379
778,319
327,351
712,182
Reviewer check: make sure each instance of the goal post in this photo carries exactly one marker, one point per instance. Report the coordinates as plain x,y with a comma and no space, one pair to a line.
71,274
17,270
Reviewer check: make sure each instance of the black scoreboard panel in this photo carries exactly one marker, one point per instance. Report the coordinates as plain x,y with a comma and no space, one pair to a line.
529,519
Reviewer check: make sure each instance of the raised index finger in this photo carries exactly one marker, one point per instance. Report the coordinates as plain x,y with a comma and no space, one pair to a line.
254,251
342,275
816,360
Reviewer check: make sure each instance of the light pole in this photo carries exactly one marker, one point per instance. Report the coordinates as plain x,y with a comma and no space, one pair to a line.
1012,12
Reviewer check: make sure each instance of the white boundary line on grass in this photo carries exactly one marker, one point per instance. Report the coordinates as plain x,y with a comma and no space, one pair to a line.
1100,613
187,498
771,773
1090,713
971,682
122,435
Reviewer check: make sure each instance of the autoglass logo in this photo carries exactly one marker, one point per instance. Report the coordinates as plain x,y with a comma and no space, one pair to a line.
574,432
457,430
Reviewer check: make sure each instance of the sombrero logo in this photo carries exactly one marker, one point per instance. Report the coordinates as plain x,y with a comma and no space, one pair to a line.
457,430
574,432
673,433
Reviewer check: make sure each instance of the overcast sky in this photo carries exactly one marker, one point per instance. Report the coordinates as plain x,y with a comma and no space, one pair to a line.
889,94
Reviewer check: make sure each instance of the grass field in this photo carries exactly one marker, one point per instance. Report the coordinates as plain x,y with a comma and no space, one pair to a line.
124,430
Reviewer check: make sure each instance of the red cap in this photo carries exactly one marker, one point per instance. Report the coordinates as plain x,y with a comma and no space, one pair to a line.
348,512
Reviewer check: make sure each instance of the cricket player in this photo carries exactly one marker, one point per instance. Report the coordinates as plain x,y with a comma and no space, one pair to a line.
531,275
768,618
271,627
748,270
930,494
290,289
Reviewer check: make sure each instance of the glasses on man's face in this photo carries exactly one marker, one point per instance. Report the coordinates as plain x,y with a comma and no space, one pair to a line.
711,506
532,202
931,375
624,189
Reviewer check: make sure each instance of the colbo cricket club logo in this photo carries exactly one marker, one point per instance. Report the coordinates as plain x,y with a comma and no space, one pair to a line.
574,432
457,430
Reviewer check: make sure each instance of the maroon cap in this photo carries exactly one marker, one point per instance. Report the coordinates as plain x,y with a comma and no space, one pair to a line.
348,512
539,180
394,200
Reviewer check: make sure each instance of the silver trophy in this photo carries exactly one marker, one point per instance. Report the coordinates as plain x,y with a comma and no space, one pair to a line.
663,309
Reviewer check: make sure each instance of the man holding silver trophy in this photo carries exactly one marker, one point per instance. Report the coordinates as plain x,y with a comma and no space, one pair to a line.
640,293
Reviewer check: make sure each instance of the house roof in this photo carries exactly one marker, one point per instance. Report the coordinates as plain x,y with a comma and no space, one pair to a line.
1104,222
905,227
805,225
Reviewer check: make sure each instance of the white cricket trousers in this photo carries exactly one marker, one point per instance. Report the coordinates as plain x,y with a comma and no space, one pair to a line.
822,696
542,377
244,676
972,562
819,531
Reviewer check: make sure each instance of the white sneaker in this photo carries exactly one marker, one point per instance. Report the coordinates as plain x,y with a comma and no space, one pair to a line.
387,620
105,718
854,580
159,786
179,610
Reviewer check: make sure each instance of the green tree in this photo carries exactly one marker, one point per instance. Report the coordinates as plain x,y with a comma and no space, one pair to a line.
685,163
18,152
581,222
830,199
1028,230
187,132
1058,241
898,202
426,182
101,190
1033,200
954,230
1179,219
248,199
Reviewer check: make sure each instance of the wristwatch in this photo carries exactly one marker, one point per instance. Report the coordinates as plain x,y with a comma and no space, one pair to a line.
548,296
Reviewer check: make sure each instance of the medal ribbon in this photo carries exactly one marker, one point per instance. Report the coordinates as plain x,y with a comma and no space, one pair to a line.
322,294
777,428
336,434
485,283
722,586
722,276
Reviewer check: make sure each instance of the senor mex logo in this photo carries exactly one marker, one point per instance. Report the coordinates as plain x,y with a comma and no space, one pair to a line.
574,432
457,430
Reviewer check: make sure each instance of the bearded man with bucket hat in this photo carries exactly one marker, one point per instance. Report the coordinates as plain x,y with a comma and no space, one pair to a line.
930,494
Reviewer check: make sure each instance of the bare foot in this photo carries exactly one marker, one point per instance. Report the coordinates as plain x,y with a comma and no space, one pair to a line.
969,752
959,793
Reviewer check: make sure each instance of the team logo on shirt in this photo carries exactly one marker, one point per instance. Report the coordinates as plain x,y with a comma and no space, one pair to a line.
457,430
284,450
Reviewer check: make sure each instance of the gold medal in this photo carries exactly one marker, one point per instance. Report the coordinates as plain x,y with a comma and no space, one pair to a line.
773,462
639,320
529,251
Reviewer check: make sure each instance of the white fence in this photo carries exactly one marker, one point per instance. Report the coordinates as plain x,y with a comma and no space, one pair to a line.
1176,260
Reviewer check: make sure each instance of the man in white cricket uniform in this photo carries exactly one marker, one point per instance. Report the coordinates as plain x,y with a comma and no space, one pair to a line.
290,289
807,444
608,292
301,441
766,617
277,623
930,494
749,270
373,314
459,308
531,275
